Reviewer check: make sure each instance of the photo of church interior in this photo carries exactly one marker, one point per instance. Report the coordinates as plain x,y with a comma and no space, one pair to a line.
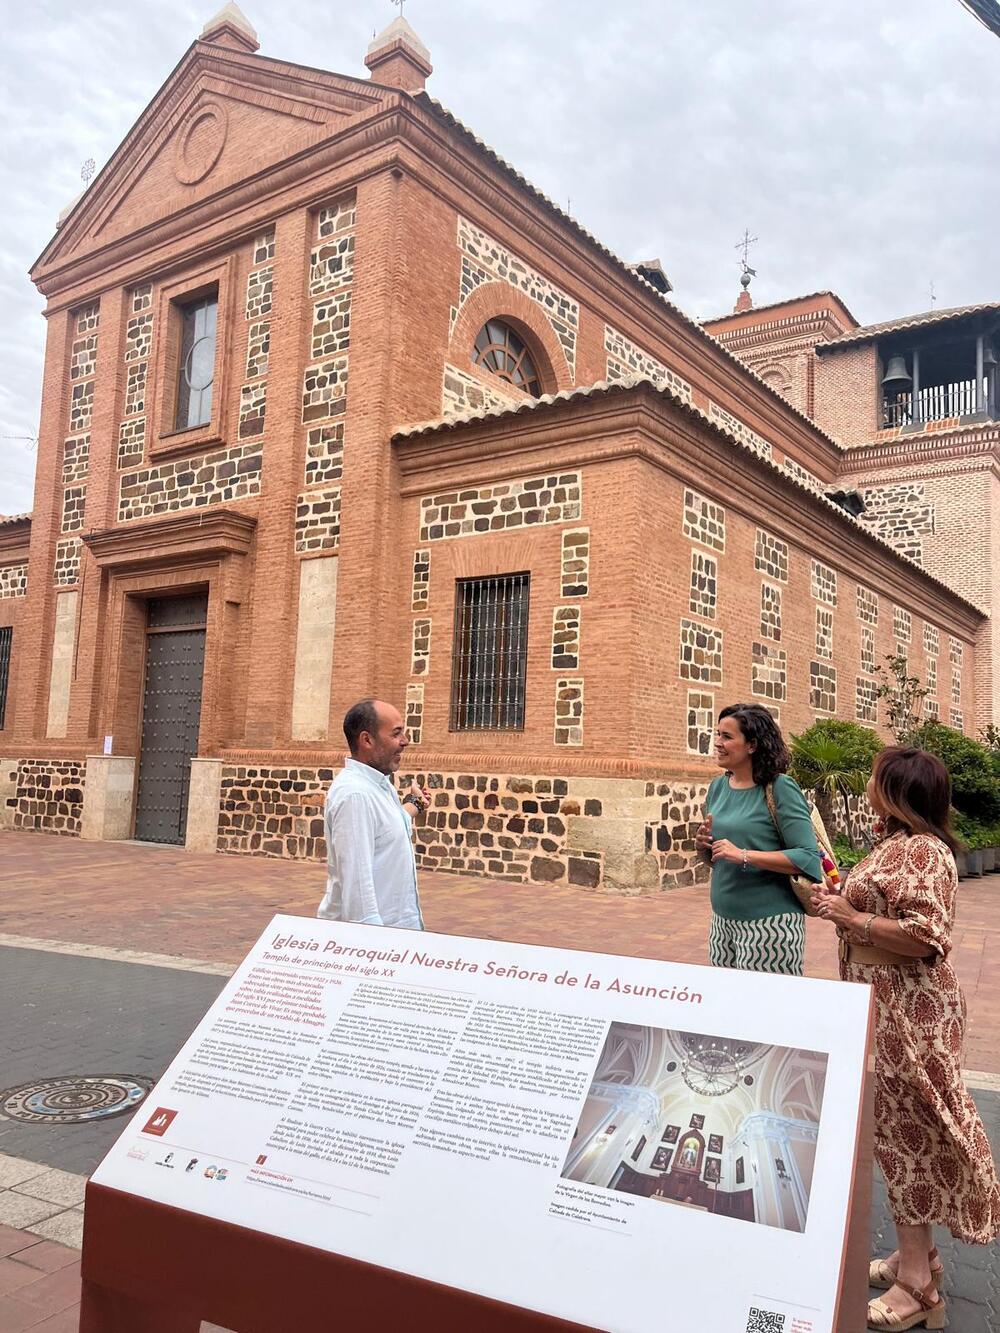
707,1122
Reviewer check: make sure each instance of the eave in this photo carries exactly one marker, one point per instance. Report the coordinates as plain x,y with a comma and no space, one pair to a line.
15,538
641,420
976,445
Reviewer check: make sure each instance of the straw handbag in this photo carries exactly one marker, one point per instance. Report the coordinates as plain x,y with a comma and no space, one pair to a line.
802,884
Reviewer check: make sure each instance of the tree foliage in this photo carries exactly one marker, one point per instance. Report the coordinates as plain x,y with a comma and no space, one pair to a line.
904,697
975,788
834,758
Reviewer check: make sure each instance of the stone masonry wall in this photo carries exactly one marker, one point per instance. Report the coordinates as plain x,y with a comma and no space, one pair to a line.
325,380
902,514
228,474
273,811
461,391
76,442
625,359
14,580
519,828
486,260
671,837
48,797
138,348
741,430
500,507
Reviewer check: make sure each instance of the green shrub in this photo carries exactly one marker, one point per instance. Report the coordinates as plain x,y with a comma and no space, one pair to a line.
859,745
833,758
973,834
846,856
975,786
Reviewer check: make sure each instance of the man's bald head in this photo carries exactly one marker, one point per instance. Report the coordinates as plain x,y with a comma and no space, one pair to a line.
375,734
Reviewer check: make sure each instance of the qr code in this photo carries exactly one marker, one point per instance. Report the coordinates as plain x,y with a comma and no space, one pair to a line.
765,1321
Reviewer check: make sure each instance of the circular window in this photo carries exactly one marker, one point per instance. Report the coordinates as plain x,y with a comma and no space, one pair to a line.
499,350
199,364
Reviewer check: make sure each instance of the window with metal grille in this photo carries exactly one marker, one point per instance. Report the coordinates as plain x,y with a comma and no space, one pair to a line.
197,362
490,653
6,643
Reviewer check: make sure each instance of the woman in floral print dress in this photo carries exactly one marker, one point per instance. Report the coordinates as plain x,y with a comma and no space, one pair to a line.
894,921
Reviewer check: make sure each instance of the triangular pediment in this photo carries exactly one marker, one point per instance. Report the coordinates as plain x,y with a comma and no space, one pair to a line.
222,117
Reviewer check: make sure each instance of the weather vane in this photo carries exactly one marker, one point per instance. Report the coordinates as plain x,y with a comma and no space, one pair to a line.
399,5
745,245
87,170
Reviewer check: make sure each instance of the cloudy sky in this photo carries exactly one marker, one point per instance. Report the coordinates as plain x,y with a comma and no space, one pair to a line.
858,139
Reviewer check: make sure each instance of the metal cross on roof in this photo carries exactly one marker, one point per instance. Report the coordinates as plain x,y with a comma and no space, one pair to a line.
399,5
745,245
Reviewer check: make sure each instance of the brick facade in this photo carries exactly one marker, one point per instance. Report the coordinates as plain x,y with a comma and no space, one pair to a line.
663,504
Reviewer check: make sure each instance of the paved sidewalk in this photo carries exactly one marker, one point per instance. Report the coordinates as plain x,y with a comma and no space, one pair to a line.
163,900
39,1284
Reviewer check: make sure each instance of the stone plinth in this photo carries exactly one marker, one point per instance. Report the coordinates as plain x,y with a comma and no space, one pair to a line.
203,806
8,792
107,798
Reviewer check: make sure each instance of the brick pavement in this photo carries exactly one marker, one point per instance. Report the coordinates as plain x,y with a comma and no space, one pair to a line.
164,900
40,1285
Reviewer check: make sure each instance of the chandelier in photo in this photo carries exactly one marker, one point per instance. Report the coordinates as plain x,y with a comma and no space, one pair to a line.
713,1066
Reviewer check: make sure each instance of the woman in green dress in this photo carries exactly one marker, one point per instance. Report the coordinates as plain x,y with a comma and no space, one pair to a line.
758,924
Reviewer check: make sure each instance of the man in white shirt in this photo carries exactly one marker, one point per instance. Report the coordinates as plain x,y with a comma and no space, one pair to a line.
371,868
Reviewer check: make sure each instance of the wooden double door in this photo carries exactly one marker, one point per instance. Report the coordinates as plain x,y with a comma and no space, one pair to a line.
171,713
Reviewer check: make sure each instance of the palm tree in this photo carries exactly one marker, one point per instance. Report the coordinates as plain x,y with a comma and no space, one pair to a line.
833,765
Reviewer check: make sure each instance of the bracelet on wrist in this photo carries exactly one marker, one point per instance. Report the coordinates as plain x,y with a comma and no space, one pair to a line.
746,862
866,934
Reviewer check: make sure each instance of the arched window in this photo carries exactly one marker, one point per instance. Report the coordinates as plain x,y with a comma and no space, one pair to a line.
499,350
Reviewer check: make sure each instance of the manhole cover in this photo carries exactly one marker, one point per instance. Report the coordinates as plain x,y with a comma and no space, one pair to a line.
65,1101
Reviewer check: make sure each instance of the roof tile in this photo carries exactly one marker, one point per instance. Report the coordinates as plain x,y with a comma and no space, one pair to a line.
606,387
869,332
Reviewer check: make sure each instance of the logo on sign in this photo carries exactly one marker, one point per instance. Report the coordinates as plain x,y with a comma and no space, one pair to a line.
261,1159
159,1122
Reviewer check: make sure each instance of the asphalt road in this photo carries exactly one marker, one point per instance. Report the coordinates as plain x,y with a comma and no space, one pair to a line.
64,1015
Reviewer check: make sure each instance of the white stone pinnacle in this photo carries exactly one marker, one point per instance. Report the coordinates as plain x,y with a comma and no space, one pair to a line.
399,31
69,208
230,13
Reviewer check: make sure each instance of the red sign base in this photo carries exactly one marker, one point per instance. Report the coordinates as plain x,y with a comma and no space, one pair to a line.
150,1268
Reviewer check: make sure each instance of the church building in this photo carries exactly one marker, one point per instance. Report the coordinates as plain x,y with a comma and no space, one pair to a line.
336,403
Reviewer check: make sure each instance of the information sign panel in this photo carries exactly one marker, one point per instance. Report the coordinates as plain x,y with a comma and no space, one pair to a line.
618,1142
